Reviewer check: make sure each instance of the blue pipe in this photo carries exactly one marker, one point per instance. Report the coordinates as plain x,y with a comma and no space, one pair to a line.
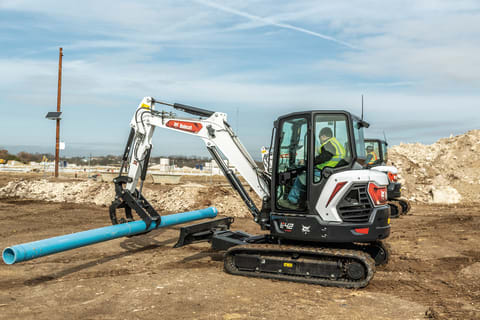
36,249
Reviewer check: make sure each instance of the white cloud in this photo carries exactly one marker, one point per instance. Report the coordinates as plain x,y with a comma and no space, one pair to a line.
418,59
273,22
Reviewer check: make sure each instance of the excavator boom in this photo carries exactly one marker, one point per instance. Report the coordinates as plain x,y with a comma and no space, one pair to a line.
216,133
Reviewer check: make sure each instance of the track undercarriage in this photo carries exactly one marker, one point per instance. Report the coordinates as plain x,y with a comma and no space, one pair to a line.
347,265
322,266
395,209
405,204
399,206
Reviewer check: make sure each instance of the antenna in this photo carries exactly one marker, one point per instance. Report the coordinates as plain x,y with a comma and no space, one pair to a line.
385,137
362,107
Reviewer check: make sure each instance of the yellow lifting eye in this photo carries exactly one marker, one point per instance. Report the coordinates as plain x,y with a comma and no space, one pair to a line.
388,221
288,264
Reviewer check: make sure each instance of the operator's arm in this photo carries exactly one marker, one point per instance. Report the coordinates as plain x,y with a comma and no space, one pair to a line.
328,150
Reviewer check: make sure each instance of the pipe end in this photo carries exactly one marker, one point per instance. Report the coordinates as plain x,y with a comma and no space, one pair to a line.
9,256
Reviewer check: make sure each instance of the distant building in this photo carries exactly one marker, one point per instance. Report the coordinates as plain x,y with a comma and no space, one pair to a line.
164,165
215,170
14,163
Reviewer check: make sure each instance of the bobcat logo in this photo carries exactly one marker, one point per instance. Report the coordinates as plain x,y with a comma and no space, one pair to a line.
305,229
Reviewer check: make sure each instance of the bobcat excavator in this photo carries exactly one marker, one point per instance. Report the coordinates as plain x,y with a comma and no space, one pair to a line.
332,236
398,204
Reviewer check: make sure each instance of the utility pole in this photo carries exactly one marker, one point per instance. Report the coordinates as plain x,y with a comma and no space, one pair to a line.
59,95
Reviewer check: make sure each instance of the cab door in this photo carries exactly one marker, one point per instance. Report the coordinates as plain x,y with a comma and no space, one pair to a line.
338,143
290,178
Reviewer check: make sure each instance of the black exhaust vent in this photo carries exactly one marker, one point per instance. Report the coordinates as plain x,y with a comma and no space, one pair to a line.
355,205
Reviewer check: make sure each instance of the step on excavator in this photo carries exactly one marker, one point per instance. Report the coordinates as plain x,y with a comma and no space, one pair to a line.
326,215
377,149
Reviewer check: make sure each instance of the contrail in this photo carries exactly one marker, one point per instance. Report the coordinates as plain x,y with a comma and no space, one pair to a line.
271,22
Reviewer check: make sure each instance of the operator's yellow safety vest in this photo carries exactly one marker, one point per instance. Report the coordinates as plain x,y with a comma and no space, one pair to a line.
374,157
339,153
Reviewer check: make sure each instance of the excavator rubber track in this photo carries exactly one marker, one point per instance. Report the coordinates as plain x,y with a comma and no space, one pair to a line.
405,204
379,251
323,266
383,253
395,209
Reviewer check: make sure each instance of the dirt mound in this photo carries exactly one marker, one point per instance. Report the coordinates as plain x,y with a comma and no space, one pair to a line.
186,197
226,200
471,271
447,171
74,192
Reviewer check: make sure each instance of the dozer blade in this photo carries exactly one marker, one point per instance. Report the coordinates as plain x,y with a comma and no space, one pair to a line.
322,266
202,231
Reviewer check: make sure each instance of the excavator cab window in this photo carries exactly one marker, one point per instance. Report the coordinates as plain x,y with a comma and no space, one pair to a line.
359,140
332,147
384,152
373,152
292,164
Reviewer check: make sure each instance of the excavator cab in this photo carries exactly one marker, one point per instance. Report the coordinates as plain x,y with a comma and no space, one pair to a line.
320,190
310,147
379,149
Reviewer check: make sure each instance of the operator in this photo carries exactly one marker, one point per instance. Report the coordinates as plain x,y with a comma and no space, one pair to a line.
371,155
330,153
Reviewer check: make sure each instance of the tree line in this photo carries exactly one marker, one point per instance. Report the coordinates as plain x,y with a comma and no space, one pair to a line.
26,157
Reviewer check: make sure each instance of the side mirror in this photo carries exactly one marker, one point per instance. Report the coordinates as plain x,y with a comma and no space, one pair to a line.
363,124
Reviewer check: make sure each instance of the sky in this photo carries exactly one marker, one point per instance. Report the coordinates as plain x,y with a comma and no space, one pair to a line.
417,63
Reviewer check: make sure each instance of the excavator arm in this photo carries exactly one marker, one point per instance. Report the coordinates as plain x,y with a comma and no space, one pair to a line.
220,140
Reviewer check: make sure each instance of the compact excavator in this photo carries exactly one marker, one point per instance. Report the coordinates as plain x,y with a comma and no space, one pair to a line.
398,205
332,236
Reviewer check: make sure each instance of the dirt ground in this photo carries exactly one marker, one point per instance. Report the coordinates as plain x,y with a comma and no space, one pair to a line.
433,273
